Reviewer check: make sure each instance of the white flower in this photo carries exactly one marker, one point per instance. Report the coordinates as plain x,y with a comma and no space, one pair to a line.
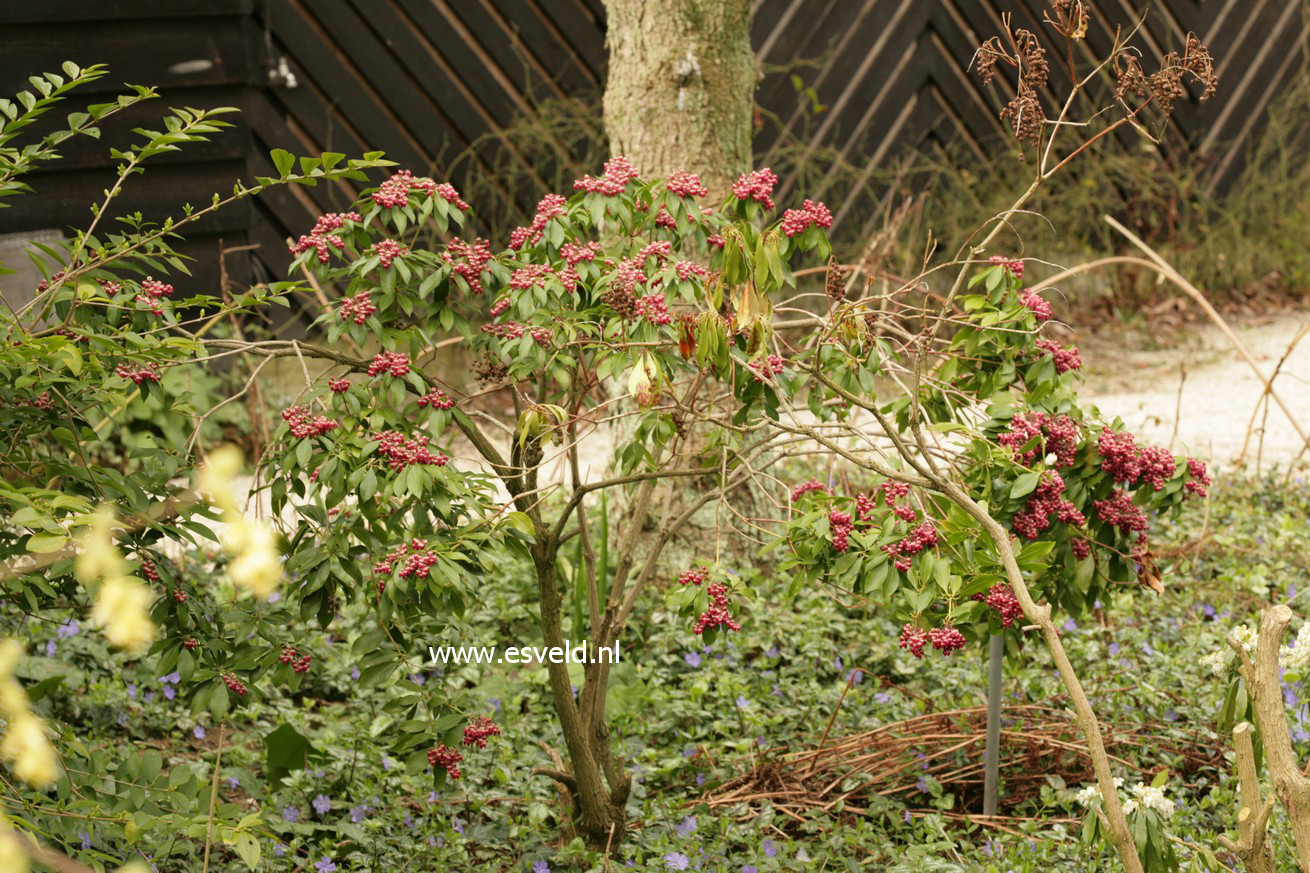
122,609
1087,795
1150,797
1130,807
1247,636
1216,662
1297,656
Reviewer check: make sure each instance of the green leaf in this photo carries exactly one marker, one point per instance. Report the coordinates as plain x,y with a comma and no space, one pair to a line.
284,161
1024,484
248,848
45,543
285,749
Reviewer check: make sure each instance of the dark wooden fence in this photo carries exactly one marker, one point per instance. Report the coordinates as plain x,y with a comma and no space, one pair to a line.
432,80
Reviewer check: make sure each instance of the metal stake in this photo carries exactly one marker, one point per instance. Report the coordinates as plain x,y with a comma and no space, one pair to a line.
992,754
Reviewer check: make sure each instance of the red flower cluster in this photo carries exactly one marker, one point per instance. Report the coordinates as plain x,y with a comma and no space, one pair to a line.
1157,466
946,639
1040,306
1001,599
476,257
524,278
323,238
841,525
661,250
388,250
916,541
717,615
447,192
654,308
1060,432
304,425
913,639
757,186
694,576
152,294
190,644
447,758
687,269
401,451
1120,511
148,373
393,363
1065,359
551,205
477,731
357,308
298,663
437,399
111,289
501,305
805,488
716,240
395,191
1080,548
1014,266
179,595
767,367
149,570
813,213
339,386
1036,515
514,330
418,561
686,184
864,506
43,401
235,685
575,253
618,173
1198,480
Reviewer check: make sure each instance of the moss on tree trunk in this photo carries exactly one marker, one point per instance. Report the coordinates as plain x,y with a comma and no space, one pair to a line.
681,87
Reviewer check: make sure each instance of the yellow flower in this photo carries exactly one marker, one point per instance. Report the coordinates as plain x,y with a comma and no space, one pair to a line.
27,750
123,609
97,556
216,476
13,859
257,566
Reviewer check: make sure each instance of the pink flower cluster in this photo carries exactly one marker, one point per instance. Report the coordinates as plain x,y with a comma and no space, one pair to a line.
476,257
357,308
290,656
575,253
1040,306
152,294
805,488
1065,359
500,306
687,269
525,278
392,363
514,330
686,184
618,173
137,375
339,386
654,308
477,731
1120,511
1014,266
551,206
323,238
757,186
1060,437
811,214
768,367
916,541
1045,501
447,192
1121,458
694,576
1002,600
388,250
401,451
110,288
841,525
446,758
304,425
717,615
1080,547
437,399
1198,480
235,685
660,250
395,191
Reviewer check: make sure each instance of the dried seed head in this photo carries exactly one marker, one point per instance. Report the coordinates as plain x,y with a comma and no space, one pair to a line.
1024,114
1033,68
987,55
1070,19
1129,78
836,281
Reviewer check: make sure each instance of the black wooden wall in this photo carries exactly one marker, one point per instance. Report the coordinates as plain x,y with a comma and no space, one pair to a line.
430,80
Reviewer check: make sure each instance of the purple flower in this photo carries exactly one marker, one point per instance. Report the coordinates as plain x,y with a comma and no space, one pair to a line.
743,703
148,697
354,673
922,785
131,692
777,691
1208,611
417,679
1146,649
279,849
408,821
676,861
1114,648
358,813
771,652
50,649
882,697
325,865
692,659
855,677
689,752
1070,624
321,803
836,662
169,692
908,818
432,797
68,629
1170,715
233,782
172,678
386,763
494,702
991,848
687,827
541,867
198,732
457,825
700,779
750,868
769,848
86,839
291,814
274,597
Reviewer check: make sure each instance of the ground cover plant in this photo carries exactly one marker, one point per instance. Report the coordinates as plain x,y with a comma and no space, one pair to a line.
635,460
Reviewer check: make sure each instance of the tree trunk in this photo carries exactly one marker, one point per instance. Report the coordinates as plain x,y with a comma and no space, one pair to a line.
681,87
